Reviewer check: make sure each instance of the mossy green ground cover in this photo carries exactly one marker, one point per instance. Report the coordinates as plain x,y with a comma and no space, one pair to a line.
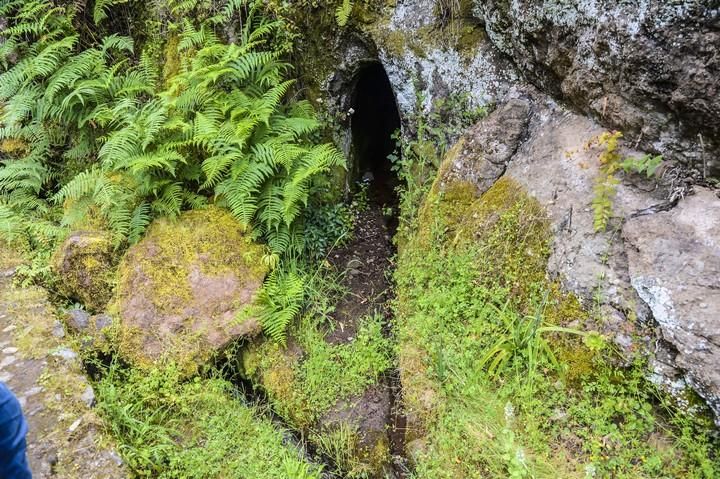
169,427
310,377
469,281
306,380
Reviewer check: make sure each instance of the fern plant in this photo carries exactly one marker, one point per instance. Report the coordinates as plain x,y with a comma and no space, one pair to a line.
343,12
221,129
606,182
279,302
39,66
101,8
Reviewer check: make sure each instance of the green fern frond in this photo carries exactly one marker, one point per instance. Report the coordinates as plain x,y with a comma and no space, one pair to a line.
116,42
280,301
343,12
102,7
139,221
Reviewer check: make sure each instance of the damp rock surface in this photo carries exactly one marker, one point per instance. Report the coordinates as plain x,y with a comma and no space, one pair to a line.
183,290
649,69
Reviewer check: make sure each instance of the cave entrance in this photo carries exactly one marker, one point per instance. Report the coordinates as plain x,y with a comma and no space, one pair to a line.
373,123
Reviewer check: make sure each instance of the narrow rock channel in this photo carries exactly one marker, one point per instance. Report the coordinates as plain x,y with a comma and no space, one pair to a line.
368,261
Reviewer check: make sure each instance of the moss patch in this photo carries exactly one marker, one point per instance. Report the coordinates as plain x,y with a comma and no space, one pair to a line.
85,264
473,265
308,377
311,383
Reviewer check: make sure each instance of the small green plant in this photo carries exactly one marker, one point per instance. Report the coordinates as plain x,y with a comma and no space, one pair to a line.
422,146
361,197
523,343
327,227
646,165
514,456
301,470
606,183
340,445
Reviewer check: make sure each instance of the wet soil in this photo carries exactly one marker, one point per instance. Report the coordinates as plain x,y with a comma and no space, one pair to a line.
368,262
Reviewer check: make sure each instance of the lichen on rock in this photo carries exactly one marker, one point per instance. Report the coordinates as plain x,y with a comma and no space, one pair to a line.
646,68
182,289
674,265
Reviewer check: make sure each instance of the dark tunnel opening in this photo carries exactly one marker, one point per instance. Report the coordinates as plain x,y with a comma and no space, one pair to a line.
373,123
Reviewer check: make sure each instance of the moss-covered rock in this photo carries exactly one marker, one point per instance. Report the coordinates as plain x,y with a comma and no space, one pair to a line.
182,289
85,264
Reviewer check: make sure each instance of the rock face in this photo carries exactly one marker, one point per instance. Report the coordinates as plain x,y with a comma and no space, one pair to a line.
653,274
647,68
85,264
674,260
182,290
485,150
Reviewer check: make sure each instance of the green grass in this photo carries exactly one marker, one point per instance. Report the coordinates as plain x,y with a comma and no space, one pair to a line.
167,427
307,379
469,282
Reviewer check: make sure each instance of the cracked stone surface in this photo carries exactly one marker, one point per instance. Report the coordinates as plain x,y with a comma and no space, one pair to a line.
674,261
648,68
64,438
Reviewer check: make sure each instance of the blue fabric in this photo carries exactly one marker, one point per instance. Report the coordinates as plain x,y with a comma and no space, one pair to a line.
13,428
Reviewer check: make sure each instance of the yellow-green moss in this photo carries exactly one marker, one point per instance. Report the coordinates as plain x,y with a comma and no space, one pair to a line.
469,250
172,57
85,265
509,229
211,240
274,367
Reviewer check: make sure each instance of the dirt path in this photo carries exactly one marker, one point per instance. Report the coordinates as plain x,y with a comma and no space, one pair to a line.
64,439
368,263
